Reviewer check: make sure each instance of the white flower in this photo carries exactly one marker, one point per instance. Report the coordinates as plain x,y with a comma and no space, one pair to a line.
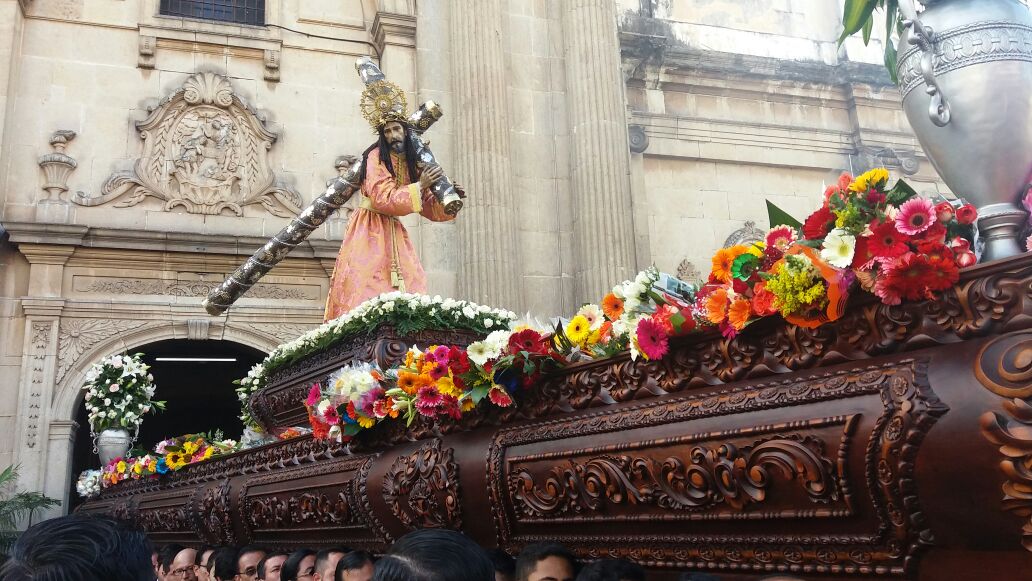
593,314
449,304
632,303
424,300
113,388
838,249
107,401
488,322
481,352
469,312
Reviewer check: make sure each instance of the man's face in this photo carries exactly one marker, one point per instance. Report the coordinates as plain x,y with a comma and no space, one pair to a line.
182,567
552,569
247,565
394,133
306,572
363,574
326,573
156,565
202,572
273,566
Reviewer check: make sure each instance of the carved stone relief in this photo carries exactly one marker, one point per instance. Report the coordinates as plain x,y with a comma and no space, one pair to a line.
747,234
688,272
58,165
39,343
205,151
76,336
185,288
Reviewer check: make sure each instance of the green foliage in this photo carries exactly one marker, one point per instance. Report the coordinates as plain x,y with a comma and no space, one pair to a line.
16,507
858,16
779,217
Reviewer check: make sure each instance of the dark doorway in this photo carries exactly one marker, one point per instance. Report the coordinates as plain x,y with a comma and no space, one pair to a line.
201,395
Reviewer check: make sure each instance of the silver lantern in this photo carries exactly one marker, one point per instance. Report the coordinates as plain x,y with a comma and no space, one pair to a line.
965,74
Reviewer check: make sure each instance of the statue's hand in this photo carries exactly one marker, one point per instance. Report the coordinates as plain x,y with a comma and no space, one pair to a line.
429,176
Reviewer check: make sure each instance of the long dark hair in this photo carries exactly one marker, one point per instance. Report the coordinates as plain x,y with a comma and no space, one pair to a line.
292,566
385,154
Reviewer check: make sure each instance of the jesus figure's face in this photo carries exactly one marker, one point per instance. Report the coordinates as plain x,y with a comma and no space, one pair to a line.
394,133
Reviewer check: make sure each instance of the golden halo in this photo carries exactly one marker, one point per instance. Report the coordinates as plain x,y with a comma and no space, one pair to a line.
383,101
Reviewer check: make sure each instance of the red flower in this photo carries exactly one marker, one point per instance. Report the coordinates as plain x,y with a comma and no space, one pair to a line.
886,242
967,214
652,339
320,429
500,397
874,197
459,362
960,244
818,224
933,237
527,340
863,256
966,258
914,277
844,180
944,212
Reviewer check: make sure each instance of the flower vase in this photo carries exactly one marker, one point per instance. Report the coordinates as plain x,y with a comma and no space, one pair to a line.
964,70
111,444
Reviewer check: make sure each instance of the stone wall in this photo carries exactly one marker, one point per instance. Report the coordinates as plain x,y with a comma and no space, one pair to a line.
595,137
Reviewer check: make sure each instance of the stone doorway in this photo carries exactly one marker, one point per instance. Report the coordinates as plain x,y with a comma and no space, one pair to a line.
196,378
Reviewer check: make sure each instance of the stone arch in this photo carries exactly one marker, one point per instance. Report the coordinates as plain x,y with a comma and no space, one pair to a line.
67,397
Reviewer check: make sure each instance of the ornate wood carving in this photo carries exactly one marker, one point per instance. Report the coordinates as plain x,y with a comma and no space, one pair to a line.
422,488
713,475
168,513
1004,367
214,516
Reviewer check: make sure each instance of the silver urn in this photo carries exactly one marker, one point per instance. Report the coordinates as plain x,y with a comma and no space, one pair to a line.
965,74
111,444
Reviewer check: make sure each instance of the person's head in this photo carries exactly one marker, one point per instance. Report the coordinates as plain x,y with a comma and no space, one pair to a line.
80,547
434,555
395,134
203,562
156,562
326,562
247,562
355,566
546,562
299,566
183,566
269,567
504,565
394,138
165,556
224,564
612,570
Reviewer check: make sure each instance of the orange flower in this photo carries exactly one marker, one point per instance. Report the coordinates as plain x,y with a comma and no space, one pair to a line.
612,306
739,313
723,259
408,382
716,306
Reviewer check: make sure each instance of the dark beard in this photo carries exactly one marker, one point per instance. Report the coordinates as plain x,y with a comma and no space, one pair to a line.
398,147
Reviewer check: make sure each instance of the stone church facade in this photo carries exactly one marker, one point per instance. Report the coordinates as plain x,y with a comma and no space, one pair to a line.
144,155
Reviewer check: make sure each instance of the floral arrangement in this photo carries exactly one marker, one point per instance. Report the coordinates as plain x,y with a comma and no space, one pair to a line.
119,391
88,484
246,387
168,456
408,313
886,241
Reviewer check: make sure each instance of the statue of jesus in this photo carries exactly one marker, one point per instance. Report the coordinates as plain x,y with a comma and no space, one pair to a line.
376,255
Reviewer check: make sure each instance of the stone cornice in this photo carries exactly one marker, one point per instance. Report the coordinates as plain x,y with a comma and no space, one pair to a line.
31,233
393,29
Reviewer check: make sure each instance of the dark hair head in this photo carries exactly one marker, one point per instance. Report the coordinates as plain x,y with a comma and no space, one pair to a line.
532,554
292,566
225,559
80,547
351,561
167,554
322,557
612,570
434,555
503,562
199,560
261,564
384,150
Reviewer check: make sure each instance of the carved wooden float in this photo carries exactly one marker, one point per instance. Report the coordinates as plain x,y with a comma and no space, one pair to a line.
893,443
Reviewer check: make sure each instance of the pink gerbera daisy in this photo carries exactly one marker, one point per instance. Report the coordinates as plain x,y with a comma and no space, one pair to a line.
915,216
652,339
439,370
314,395
780,237
429,395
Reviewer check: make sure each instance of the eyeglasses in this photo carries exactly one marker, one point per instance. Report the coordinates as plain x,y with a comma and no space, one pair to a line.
308,573
182,571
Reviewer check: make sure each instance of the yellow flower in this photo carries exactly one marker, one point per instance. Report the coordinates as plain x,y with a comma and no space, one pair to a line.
756,249
869,180
190,447
366,422
578,328
138,468
176,460
467,404
120,467
446,386
208,452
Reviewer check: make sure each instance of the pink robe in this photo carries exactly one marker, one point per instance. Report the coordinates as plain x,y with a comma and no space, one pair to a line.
363,267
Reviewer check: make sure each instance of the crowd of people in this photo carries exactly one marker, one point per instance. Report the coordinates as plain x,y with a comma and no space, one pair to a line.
93,548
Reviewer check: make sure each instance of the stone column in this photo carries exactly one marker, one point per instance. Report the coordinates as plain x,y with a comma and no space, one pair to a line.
490,267
603,225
